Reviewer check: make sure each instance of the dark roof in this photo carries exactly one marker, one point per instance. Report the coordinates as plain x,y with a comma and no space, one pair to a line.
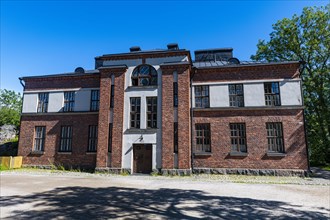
175,63
219,64
214,49
198,65
155,51
87,72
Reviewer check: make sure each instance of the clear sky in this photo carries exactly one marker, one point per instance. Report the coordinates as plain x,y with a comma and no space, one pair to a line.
48,37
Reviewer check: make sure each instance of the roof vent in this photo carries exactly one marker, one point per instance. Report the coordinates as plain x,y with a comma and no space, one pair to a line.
79,70
233,60
135,49
173,46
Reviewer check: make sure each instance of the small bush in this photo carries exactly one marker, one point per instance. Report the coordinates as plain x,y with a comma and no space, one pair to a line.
124,172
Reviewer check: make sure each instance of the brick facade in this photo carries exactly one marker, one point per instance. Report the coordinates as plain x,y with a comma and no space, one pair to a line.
77,158
184,153
104,119
256,139
255,118
237,73
66,82
167,119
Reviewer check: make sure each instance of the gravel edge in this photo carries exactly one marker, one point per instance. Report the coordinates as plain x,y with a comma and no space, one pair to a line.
199,178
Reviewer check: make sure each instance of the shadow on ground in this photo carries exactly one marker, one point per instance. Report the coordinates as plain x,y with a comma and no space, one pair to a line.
131,203
320,173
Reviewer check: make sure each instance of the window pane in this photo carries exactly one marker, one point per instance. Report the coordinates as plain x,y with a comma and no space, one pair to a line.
203,139
144,75
274,136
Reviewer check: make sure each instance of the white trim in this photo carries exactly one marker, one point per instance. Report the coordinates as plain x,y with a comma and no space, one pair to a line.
60,90
65,153
90,153
244,81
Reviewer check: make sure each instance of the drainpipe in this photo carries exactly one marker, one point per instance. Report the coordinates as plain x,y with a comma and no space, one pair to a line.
194,70
21,80
301,70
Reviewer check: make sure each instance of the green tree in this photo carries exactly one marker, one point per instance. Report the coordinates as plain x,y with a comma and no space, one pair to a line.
306,37
10,107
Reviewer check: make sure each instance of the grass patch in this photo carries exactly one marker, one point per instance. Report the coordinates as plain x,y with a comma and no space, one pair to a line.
325,167
124,172
3,168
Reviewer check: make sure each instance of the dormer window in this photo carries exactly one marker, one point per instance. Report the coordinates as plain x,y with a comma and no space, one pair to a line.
144,75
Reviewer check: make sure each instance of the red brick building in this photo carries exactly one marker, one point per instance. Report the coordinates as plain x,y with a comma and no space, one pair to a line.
159,110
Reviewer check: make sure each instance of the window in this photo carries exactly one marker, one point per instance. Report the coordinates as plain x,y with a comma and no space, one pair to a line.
238,137
203,138
42,102
275,137
176,137
151,112
144,75
202,96
110,138
95,100
135,112
175,94
92,138
66,139
68,101
236,97
39,138
272,94
112,97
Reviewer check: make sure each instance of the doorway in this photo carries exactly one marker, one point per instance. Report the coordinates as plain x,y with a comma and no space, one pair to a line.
142,158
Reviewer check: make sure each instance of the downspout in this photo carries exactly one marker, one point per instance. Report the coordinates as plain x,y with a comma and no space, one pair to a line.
21,80
301,70
194,70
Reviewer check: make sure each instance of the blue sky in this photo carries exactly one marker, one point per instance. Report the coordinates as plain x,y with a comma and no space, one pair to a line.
47,37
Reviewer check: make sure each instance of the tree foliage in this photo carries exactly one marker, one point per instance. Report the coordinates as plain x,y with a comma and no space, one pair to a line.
306,37
10,107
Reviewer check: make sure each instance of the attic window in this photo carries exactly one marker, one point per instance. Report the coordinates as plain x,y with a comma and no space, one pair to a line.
144,75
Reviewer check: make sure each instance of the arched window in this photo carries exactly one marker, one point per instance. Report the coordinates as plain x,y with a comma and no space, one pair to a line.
144,75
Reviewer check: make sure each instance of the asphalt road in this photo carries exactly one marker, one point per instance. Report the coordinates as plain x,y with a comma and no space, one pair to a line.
56,196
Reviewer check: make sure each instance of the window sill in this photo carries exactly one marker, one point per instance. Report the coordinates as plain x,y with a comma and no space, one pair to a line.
142,87
37,152
273,154
203,154
64,152
91,152
238,154
141,131
202,107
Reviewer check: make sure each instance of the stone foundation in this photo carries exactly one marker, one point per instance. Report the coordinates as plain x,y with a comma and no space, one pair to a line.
188,172
46,167
113,170
253,172
176,172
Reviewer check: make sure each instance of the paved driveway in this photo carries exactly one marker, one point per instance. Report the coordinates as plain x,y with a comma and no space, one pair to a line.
57,196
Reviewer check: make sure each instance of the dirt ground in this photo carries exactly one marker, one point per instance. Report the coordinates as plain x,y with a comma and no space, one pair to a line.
81,196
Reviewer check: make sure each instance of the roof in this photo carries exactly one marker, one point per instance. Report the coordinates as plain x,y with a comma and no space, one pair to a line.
155,51
219,64
175,63
214,49
198,65
87,72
